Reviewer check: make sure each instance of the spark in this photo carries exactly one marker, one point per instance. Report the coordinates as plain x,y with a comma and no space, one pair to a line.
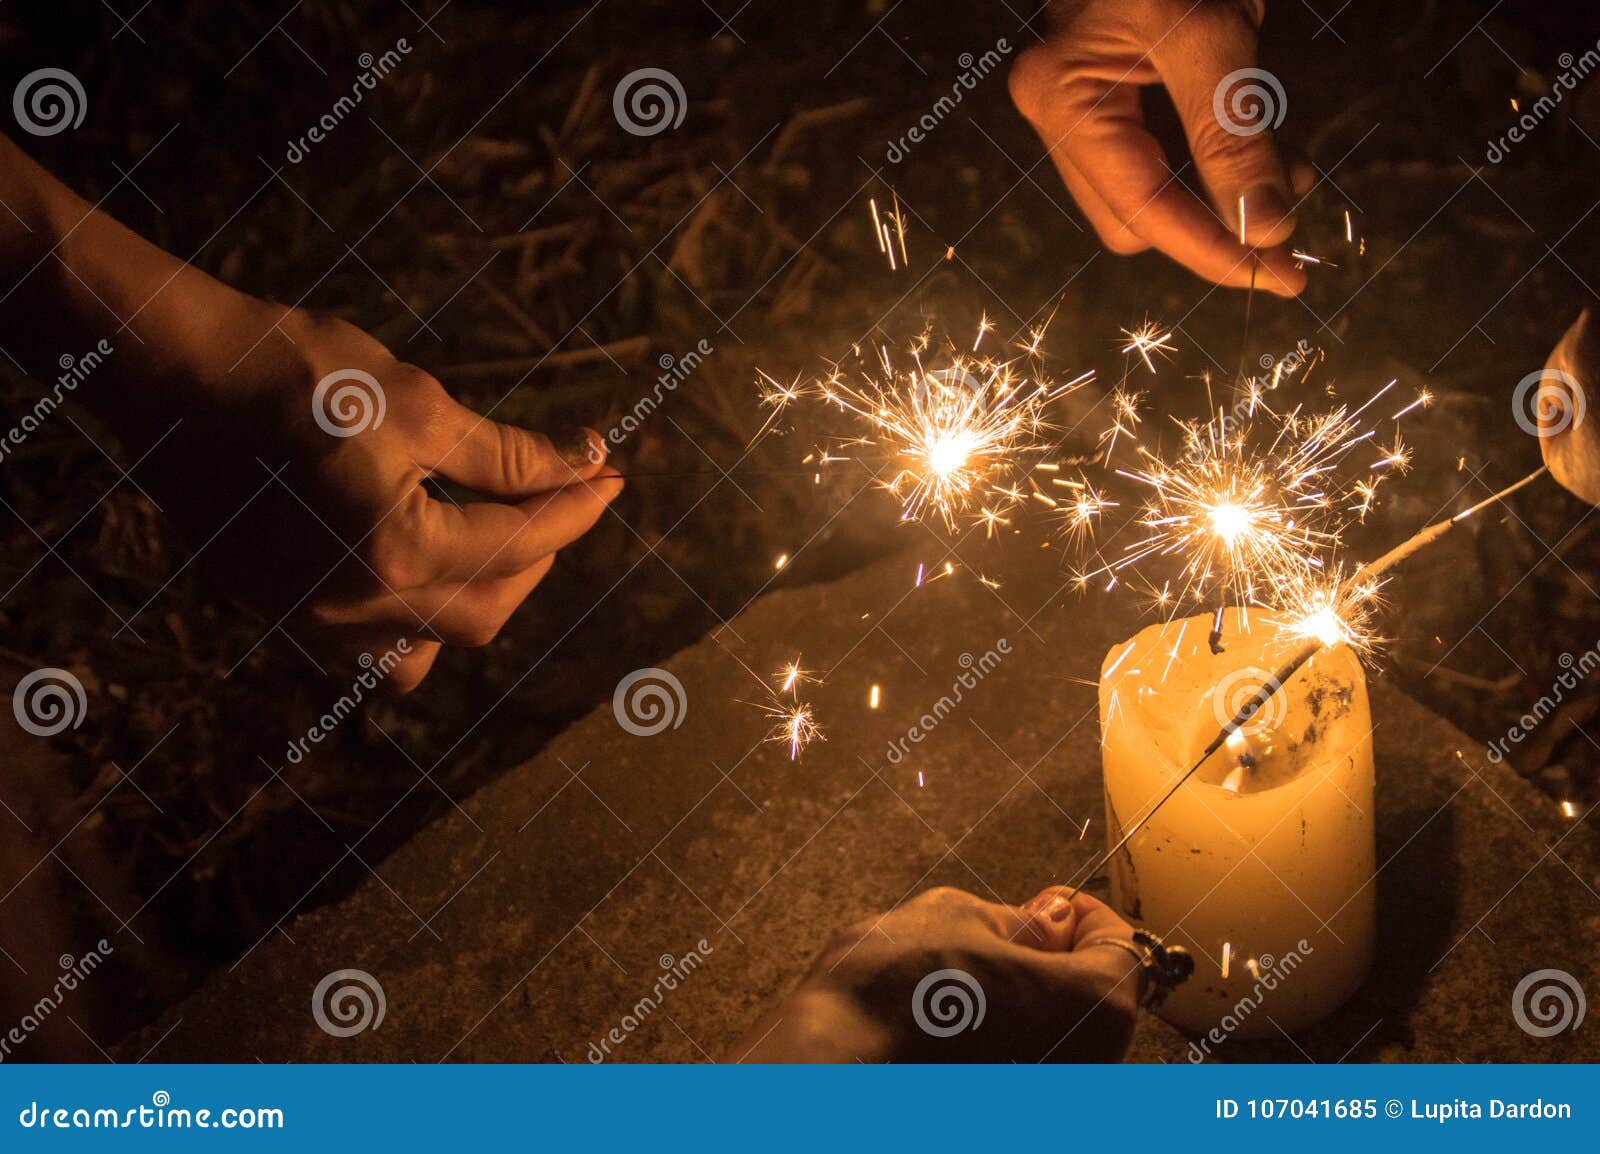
796,727
1332,609
874,696
791,677
1146,339
1252,510
1424,399
783,559
950,429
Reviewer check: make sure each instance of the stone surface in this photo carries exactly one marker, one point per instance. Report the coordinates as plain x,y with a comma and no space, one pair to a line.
525,925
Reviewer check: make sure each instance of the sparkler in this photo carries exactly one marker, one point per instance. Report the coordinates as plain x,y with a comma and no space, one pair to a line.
949,427
1256,504
1323,626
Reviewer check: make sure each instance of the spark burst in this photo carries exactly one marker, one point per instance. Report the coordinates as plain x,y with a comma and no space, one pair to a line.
950,429
1254,509
795,722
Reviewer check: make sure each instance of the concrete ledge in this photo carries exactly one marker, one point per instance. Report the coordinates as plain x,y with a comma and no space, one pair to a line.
528,925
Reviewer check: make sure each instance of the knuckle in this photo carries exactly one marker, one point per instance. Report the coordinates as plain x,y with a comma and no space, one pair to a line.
390,558
1030,80
522,453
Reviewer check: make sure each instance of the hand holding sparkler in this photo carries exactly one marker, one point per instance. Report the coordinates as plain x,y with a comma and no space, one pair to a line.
950,977
1205,55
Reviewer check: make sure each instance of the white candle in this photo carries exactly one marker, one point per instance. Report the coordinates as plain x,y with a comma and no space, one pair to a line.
1262,864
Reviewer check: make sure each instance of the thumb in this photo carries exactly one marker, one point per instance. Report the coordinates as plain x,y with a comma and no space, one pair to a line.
1558,413
1229,108
510,462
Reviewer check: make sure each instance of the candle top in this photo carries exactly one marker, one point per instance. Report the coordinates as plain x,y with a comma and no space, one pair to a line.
1170,688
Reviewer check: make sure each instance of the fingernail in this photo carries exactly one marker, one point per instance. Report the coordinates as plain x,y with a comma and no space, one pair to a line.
578,446
1060,908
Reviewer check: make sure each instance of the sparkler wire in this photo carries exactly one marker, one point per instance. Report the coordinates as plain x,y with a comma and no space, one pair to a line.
1266,691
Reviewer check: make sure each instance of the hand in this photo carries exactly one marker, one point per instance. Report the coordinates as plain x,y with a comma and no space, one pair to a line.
292,448
305,499
1080,90
1027,983
1569,429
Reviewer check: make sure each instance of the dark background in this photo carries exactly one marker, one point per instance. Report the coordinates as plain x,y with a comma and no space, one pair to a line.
746,227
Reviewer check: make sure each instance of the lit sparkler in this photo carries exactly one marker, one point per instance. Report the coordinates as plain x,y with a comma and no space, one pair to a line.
1254,508
950,429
